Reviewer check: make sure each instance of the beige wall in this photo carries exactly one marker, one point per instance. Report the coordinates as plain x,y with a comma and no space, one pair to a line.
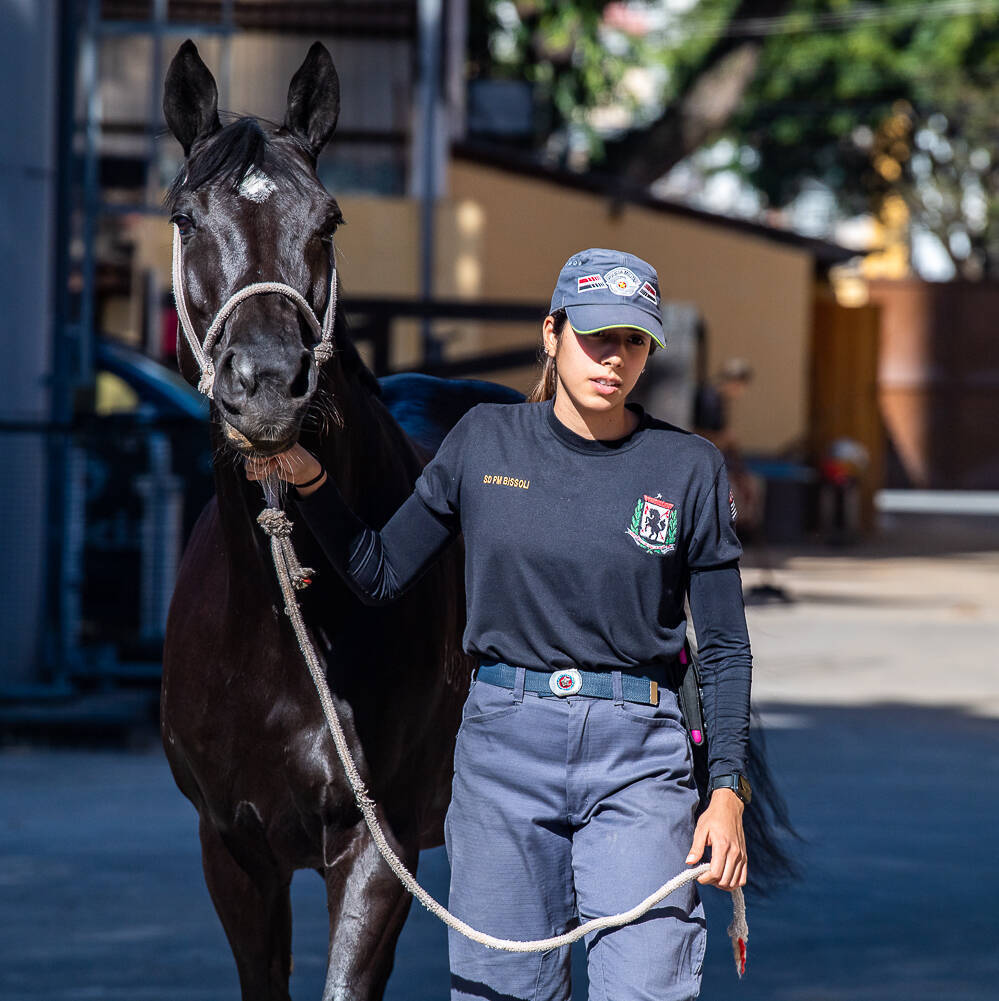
377,256
755,296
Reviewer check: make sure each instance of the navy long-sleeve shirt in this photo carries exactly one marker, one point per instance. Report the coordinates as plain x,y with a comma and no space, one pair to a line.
577,552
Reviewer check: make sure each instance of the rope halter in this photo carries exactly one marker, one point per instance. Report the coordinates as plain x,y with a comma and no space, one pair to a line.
322,352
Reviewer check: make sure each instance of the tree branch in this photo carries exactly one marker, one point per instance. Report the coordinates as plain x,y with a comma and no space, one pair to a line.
710,96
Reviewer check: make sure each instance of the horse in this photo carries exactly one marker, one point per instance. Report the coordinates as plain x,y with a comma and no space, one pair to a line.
243,730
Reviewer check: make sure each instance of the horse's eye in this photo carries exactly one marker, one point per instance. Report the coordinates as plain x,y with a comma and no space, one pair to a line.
183,223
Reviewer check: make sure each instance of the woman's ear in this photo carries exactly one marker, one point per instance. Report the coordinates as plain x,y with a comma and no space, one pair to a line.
548,337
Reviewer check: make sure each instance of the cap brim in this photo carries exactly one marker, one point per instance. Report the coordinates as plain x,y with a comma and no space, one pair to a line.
601,316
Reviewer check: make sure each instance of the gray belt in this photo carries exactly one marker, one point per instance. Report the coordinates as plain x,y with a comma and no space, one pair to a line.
640,687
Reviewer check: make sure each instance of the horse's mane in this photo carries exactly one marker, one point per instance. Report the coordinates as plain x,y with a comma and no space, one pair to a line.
227,155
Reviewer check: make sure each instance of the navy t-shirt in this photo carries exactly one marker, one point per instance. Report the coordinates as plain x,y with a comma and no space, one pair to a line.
577,552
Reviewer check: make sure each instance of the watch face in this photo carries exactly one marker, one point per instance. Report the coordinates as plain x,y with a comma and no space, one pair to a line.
745,790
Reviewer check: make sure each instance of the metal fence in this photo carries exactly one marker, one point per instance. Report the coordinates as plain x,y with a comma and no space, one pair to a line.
121,499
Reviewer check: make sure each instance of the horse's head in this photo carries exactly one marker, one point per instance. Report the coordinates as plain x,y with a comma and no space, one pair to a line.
249,208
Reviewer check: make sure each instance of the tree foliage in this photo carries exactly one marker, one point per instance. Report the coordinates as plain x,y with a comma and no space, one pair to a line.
564,50
896,101
877,101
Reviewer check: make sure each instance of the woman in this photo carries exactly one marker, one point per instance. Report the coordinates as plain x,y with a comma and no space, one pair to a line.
586,523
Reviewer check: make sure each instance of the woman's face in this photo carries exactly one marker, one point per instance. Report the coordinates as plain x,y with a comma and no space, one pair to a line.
599,370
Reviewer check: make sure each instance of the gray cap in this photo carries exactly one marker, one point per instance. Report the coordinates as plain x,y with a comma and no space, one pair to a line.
600,289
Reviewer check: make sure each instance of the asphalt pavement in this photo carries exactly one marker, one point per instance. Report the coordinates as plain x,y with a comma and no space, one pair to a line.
878,688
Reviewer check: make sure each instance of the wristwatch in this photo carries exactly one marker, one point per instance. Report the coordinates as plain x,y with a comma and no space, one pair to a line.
735,781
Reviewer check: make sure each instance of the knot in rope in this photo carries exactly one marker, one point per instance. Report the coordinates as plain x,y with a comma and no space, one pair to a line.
275,523
323,351
206,384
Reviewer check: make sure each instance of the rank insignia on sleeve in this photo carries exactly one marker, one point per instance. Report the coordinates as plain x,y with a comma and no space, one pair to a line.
653,525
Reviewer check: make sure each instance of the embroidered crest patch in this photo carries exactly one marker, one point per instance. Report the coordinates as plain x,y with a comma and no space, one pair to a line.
653,525
622,281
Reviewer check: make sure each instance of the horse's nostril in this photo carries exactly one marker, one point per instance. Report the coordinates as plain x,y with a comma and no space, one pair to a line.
242,369
300,384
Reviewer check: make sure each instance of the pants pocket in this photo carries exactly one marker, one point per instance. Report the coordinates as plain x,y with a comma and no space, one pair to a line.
486,702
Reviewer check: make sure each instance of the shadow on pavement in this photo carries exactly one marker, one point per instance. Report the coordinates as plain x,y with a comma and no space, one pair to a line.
102,894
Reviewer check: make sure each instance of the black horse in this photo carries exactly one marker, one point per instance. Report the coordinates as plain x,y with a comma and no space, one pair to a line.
242,726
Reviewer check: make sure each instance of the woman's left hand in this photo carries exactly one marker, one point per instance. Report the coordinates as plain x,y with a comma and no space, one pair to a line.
720,826
294,466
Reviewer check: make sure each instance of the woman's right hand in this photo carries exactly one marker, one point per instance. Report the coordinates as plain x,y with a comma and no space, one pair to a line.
294,466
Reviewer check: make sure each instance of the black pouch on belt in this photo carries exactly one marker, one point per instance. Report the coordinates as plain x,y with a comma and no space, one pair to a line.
690,696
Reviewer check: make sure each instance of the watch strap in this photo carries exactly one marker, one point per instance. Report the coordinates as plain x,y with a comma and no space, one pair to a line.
735,781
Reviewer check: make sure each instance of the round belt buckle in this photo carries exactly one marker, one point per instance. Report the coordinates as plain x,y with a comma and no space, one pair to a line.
566,682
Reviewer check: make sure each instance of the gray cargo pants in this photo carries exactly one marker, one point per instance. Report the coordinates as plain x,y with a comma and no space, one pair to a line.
564,810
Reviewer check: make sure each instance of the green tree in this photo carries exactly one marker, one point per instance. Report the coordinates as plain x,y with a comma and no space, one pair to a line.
561,49
876,101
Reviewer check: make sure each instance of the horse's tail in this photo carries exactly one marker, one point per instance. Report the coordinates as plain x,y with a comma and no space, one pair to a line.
766,821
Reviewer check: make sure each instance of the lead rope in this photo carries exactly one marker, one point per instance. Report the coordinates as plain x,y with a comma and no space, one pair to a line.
292,577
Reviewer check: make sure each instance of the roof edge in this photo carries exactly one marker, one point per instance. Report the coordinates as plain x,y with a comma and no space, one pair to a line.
616,191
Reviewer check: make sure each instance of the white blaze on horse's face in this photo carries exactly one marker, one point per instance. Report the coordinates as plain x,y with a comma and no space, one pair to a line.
256,186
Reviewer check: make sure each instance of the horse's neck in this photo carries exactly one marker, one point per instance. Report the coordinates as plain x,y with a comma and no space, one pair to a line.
369,457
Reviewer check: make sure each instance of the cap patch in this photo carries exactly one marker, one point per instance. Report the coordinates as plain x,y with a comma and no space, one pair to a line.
650,293
622,281
588,282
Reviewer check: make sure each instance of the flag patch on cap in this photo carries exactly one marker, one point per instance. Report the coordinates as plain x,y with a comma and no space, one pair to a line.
622,281
650,293
590,281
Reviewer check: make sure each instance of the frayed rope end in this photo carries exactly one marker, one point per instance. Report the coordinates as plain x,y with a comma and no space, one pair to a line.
739,952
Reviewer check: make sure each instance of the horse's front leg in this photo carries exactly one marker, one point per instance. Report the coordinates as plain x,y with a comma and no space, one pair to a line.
255,912
368,907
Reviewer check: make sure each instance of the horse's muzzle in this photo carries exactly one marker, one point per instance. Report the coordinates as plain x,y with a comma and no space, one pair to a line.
257,447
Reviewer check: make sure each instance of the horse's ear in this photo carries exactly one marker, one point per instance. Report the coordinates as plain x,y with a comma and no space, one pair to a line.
190,98
314,100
